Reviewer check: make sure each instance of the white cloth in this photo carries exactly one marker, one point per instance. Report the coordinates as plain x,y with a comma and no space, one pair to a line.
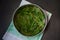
13,34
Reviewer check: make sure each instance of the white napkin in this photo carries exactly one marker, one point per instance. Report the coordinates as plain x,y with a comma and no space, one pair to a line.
13,34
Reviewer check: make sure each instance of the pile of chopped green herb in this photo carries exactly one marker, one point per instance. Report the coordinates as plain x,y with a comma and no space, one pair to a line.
28,20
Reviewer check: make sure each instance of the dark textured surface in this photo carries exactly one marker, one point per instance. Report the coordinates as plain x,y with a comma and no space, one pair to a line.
52,31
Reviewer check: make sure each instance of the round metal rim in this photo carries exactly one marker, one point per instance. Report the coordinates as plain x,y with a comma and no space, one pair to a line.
46,19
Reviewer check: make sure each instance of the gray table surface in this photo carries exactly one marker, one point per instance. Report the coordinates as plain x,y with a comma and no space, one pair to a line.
52,32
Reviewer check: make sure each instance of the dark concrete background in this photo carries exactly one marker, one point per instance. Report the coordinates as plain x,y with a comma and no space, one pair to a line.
52,32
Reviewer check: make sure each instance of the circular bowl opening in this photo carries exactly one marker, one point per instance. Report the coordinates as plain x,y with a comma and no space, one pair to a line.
30,20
